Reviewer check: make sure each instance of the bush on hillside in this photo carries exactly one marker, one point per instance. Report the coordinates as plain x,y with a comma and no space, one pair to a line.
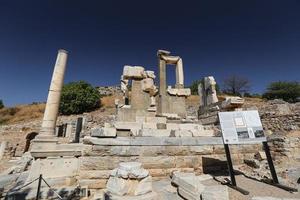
288,91
1,104
79,97
194,87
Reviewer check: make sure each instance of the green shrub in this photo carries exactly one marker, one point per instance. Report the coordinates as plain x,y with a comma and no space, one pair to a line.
288,91
194,87
79,97
1,104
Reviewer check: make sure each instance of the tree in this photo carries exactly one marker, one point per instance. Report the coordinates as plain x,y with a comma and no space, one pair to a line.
194,87
79,97
1,104
287,90
236,85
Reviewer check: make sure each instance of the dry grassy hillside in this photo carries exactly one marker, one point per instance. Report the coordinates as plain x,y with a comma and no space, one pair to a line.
21,113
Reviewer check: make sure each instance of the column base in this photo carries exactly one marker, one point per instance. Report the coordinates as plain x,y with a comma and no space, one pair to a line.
43,144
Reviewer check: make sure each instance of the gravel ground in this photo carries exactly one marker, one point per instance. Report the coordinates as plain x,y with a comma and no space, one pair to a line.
167,192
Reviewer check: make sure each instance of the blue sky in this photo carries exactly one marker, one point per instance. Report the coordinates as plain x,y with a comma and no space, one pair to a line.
256,39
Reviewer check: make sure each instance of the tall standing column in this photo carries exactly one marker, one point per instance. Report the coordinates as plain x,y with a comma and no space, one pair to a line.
162,77
53,100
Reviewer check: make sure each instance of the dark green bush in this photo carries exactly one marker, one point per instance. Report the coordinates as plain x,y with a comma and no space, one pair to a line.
1,104
288,91
194,87
79,97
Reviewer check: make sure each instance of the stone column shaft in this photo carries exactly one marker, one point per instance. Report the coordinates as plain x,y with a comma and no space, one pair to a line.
162,77
179,74
53,100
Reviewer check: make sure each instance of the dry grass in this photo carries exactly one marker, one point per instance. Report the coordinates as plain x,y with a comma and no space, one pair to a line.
21,113
109,101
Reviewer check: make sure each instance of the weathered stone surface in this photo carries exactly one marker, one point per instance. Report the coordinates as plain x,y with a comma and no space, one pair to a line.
93,183
260,155
156,119
252,163
54,167
149,125
155,132
216,192
172,126
148,85
189,185
150,74
201,133
187,194
117,186
179,91
144,186
183,133
103,132
102,163
190,126
188,162
94,174
158,162
201,150
128,125
148,196
133,72
131,170
266,198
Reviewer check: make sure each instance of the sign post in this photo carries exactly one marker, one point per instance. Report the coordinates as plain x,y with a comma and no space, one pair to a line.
245,127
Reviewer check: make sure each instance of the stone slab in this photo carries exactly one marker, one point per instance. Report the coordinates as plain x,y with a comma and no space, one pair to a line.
156,119
148,196
183,133
149,125
154,141
172,126
190,126
128,125
103,132
200,133
155,132
216,192
133,72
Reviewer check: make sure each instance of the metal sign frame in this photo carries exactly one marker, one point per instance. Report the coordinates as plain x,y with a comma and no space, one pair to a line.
266,148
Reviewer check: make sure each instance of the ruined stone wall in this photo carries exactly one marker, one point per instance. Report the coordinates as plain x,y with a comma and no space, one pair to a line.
97,161
279,116
285,149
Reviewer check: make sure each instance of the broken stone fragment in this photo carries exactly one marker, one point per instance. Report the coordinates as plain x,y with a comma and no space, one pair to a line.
216,192
131,170
104,132
179,91
260,155
117,186
148,85
130,72
252,163
189,185
150,74
144,186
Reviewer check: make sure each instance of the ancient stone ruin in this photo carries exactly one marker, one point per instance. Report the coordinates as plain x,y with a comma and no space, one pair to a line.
132,154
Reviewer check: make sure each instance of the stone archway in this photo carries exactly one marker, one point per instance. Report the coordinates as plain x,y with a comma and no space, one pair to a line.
29,137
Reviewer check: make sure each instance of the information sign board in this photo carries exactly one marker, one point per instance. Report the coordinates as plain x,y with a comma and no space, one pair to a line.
241,127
